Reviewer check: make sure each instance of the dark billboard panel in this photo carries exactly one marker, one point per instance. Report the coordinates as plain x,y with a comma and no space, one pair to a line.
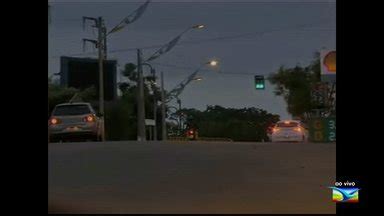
82,73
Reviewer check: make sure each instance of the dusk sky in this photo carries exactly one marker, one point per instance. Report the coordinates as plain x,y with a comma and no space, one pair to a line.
248,38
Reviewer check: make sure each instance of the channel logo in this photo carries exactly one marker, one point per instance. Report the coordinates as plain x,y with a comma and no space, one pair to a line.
345,194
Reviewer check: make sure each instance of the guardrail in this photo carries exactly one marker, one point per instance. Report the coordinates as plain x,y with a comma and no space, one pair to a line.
215,139
212,139
177,139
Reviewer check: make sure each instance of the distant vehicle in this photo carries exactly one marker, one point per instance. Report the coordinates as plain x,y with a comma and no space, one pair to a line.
270,131
289,130
192,134
74,121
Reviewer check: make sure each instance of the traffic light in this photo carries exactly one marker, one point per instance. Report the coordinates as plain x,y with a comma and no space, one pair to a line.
259,82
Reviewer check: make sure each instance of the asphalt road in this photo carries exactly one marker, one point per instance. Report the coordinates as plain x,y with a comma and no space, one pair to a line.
191,177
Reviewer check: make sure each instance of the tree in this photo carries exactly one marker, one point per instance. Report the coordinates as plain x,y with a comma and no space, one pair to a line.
247,124
295,85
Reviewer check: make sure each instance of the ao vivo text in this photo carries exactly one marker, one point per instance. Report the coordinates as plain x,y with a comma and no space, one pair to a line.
347,183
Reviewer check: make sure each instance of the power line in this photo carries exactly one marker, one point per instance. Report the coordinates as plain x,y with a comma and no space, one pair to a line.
215,39
192,68
204,1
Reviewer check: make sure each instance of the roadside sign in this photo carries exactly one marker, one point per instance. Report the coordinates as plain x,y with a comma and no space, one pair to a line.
328,65
319,93
322,130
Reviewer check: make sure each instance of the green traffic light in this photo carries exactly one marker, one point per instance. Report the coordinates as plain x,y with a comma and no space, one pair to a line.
259,82
260,86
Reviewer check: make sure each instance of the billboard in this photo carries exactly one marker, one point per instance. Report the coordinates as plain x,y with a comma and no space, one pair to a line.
328,65
82,73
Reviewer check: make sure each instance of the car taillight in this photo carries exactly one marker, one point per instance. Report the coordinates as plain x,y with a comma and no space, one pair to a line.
54,121
190,132
297,129
275,130
89,118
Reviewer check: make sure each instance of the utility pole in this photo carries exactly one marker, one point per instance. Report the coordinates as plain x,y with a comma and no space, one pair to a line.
179,102
153,85
49,21
154,105
99,24
101,38
105,41
101,44
163,124
155,118
140,100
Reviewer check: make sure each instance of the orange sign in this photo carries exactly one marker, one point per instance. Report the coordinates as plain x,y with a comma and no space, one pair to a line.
330,61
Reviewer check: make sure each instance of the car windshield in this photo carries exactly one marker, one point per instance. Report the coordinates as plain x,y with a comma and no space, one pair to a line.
71,110
287,124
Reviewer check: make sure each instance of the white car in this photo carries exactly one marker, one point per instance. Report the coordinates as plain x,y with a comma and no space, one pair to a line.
289,131
74,121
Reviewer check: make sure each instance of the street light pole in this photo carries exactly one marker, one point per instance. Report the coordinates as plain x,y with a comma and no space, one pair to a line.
101,75
163,124
49,19
153,73
167,47
174,93
101,44
105,42
154,106
140,101
99,24
179,102
141,112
